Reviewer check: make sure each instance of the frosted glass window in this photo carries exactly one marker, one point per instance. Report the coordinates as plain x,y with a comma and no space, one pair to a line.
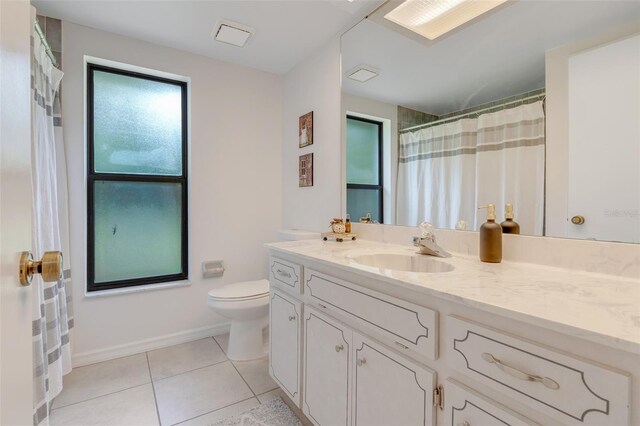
137,125
361,202
137,223
364,158
137,229
363,152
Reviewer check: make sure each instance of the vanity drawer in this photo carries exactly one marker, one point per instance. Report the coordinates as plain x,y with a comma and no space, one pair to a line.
285,274
566,388
407,326
466,407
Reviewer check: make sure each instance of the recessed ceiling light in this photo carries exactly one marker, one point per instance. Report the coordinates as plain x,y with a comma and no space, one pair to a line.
232,33
433,18
363,73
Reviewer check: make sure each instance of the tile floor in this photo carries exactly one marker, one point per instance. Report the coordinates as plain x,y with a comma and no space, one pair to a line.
189,384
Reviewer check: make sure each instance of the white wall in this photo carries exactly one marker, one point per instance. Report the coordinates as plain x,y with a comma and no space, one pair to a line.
313,85
388,113
235,191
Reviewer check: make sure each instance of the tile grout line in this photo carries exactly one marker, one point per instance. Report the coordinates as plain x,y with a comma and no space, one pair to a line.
189,371
245,382
264,393
217,409
153,388
237,371
100,396
219,345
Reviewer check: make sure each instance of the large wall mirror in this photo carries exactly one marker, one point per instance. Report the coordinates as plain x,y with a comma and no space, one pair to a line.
532,103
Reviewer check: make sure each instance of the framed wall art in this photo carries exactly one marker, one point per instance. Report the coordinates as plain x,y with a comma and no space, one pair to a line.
305,130
305,170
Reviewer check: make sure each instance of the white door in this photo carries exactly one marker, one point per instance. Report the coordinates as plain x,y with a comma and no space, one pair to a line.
284,343
15,213
604,142
390,389
327,349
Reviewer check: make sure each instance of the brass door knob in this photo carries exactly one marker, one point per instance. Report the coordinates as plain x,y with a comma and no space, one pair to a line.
50,267
577,220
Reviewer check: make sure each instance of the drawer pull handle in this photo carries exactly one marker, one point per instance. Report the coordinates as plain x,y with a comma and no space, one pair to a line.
292,317
339,348
322,306
401,345
283,273
518,374
361,362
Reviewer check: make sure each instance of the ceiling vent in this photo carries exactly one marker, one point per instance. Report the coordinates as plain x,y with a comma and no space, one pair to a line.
232,33
363,73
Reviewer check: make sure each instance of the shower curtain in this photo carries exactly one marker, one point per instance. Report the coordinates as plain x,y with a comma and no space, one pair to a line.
510,165
436,175
52,314
446,171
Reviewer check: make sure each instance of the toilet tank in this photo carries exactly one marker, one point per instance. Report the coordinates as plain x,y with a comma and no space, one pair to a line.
296,234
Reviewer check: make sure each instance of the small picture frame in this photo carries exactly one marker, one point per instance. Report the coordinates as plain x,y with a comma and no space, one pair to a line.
305,170
305,130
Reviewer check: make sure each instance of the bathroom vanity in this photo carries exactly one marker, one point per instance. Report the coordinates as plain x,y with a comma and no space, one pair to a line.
368,333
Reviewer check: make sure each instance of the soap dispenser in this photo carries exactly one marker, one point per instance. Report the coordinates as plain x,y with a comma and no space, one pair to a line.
490,237
509,226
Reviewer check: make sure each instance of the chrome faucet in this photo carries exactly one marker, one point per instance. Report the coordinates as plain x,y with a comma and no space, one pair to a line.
427,242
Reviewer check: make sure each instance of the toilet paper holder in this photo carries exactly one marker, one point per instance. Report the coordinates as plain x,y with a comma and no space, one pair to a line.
212,268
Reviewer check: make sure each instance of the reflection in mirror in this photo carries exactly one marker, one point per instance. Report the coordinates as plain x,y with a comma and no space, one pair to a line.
534,104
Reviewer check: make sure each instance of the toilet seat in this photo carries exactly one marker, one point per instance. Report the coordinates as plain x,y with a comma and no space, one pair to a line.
248,290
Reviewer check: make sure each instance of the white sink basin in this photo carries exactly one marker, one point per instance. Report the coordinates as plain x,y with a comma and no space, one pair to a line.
403,262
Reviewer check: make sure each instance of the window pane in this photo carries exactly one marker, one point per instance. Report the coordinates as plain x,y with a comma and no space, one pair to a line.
137,125
138,230
362,152
363,201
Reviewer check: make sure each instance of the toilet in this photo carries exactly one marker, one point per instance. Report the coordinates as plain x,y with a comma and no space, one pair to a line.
246,304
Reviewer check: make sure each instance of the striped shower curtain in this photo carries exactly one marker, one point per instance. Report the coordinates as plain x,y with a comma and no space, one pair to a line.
446,171
52,314
510,165
436,175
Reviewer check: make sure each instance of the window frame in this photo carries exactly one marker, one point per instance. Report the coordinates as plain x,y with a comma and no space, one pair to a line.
93,177
380,185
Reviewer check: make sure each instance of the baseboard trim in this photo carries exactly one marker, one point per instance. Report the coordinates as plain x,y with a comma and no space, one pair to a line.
119,351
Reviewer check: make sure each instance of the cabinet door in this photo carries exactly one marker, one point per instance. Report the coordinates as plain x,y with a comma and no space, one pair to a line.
389,389
284,343
326,369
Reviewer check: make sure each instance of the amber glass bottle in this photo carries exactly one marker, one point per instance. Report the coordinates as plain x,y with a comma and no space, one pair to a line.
509,226
490,237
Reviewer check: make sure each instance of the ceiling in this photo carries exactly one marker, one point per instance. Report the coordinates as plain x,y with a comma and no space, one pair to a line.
286,31
497,56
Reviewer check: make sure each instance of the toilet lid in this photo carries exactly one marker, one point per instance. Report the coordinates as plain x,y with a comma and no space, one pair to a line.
241,291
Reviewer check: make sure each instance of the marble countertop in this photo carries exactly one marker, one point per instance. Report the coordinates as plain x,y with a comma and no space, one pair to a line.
595,307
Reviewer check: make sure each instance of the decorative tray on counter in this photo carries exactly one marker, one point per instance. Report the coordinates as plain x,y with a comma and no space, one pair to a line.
338,237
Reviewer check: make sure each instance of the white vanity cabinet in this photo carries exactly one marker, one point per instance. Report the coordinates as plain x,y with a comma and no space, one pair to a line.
389,389
327,369
349,355
284,342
